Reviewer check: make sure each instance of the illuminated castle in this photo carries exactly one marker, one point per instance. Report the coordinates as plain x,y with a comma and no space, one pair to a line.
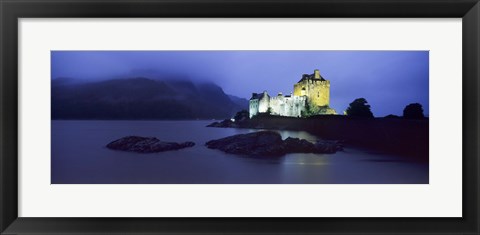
311,96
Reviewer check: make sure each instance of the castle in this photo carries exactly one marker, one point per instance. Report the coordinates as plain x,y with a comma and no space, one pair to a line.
311,96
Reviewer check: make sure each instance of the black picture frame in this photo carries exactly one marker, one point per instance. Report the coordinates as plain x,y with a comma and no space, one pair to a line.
11,11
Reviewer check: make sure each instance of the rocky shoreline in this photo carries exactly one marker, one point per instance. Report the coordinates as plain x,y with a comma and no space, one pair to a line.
409,138
270,144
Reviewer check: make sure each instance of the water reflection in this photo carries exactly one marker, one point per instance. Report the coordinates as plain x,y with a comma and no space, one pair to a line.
293,134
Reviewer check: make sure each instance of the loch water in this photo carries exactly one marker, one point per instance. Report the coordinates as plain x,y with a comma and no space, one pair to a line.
79,156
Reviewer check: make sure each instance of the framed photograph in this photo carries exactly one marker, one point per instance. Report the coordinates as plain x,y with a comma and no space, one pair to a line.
296,117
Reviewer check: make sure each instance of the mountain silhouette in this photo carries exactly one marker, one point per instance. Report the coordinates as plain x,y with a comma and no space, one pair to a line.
141,98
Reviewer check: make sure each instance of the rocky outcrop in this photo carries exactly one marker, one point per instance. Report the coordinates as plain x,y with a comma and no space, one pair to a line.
263,143
146,145
269,143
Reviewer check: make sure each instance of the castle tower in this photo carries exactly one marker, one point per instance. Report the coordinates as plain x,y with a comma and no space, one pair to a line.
315,87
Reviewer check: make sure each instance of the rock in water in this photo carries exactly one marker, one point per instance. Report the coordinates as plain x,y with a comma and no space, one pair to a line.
146,145
296,145
328,146
262,143
269,143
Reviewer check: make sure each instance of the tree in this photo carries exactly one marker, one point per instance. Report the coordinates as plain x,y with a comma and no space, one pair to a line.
310,110
269,111
392,116
413,111
359,108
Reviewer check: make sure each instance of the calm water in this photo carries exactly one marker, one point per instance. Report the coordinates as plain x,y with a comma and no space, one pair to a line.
79,156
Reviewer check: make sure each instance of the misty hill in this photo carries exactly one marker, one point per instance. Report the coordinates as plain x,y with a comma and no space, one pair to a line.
142,98
239,101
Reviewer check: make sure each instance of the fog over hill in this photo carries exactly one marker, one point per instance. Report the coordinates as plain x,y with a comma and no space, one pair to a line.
141,98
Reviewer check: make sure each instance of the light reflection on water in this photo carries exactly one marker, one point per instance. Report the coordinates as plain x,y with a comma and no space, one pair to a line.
79,156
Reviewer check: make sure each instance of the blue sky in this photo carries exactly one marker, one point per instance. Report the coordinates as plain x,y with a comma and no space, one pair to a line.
389,80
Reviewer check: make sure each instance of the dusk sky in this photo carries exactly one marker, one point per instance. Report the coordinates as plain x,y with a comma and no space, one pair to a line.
389,80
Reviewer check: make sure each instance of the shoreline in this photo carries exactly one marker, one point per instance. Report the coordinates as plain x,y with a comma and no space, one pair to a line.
405,137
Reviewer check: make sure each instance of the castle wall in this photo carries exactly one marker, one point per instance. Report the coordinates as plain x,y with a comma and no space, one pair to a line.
317,91
279,105
264,103
297,89
253,109
295,106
